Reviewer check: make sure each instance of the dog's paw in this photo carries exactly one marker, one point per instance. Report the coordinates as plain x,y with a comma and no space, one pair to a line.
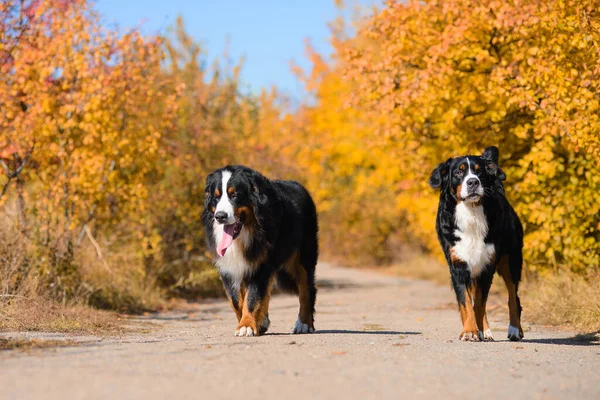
514,334
468,336
244,331
302,328
487,336
264,326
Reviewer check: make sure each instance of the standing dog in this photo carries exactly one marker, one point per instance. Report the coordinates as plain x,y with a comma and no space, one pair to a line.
261,231
480,234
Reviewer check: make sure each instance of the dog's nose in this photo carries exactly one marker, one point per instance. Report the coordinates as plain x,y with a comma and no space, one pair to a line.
221,217
472,183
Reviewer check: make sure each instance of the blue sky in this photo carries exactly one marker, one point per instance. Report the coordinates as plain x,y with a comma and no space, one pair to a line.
268,33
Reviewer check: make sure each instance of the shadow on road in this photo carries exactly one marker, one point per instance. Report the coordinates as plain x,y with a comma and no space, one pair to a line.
587,339
336,284
366,332
345,332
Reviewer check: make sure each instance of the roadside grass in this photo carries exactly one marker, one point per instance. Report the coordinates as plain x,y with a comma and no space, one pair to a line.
564,299
110,281
422,267
20,344
45,315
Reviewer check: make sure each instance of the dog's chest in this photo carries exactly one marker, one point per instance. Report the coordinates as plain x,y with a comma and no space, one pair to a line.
234,262
472,228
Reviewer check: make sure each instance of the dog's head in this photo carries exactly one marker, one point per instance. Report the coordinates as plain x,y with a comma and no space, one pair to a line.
469,178
234,200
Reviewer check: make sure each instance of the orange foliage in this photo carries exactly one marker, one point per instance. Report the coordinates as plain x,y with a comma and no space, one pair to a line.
75,91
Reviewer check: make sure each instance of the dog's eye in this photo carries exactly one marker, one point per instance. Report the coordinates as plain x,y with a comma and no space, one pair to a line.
233,196
458,172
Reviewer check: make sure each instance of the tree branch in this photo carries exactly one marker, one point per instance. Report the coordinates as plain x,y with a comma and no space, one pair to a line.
14,174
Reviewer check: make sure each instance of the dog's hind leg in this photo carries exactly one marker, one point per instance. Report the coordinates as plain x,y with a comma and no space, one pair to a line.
296,278
307,294
509,268
307,288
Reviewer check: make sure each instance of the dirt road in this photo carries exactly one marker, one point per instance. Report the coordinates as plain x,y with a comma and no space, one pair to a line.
378,337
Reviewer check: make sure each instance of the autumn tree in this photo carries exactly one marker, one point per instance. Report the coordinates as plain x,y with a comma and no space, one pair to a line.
92,102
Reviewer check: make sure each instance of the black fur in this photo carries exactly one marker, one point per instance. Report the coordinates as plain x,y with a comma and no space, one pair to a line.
283,226
505,231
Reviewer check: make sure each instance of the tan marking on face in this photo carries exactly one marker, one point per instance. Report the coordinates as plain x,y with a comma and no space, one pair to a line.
458,190
230,190
250,224
217,193
214,209
249,217
248,212
476,167
462,167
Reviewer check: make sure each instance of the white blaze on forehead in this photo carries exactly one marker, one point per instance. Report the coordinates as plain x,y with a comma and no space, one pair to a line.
464,188
224,204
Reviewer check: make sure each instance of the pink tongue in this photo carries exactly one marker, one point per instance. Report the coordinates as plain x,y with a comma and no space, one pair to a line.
226,240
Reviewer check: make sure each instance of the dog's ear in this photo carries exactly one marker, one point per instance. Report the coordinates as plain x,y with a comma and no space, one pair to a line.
494,170
440,175
491,155
259,187
209,188
260,195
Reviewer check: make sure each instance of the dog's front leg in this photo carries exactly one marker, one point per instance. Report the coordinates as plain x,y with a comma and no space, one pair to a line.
255,306
464,289
235,292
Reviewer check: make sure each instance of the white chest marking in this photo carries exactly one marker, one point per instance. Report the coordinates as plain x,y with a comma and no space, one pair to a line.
472,229
234,262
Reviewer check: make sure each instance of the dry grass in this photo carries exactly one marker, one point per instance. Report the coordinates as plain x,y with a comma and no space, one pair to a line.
26,305
30,344
421,267
47,316
113,278
564,299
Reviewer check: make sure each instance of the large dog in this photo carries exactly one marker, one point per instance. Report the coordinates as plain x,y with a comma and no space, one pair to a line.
480,234
261,231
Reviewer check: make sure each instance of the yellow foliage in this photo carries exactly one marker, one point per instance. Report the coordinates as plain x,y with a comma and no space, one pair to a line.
423,81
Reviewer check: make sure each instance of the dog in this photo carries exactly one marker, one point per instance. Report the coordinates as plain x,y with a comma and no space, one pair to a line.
480,233
259,232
